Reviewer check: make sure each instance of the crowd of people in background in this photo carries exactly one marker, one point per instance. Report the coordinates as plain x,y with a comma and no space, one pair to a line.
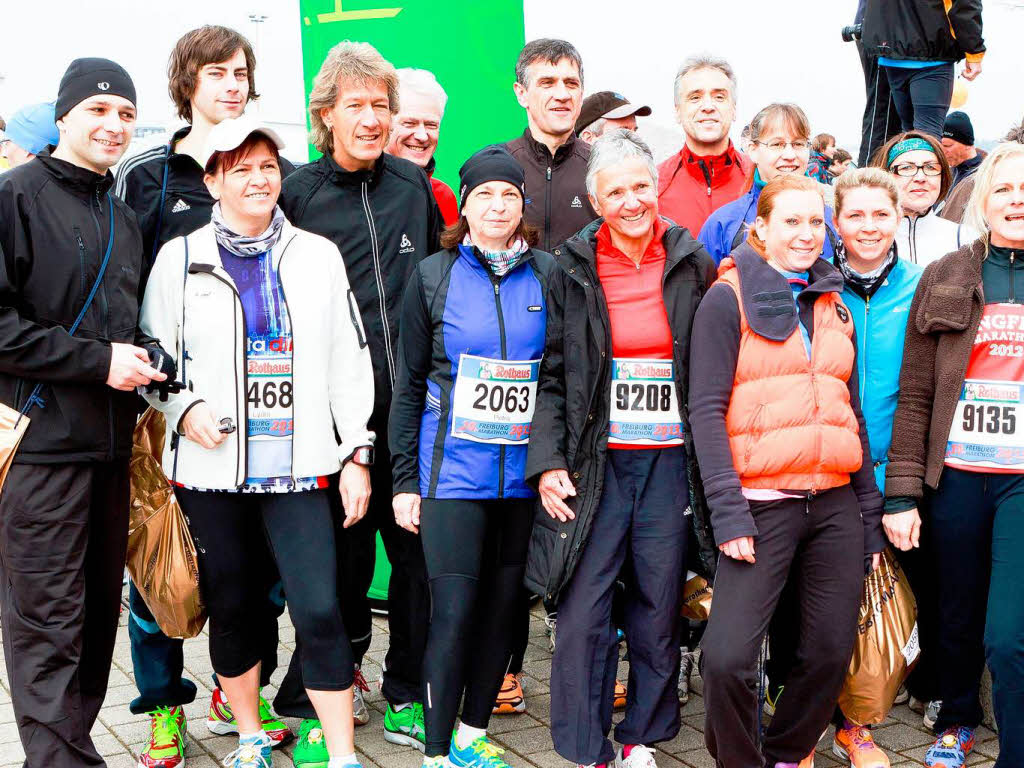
581,377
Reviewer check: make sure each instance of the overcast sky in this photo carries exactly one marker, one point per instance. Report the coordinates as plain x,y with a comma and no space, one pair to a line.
787,50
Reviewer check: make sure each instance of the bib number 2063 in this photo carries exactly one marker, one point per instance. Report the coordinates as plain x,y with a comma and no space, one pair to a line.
509,398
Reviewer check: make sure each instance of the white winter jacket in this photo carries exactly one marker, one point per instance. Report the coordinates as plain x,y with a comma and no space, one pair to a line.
930,237
332,379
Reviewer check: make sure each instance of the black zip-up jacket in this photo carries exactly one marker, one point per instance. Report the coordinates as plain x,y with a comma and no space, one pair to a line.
187,201
54,228
556,187
922,30
570,422
384,221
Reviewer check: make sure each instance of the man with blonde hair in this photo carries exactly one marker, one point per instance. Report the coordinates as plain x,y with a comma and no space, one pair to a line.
380,211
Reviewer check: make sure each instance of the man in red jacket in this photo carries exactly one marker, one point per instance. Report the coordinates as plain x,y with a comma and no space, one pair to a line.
416,128
708,171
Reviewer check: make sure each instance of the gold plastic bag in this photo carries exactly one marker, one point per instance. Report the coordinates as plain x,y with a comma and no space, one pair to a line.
887,645
696,598
12,429
161,555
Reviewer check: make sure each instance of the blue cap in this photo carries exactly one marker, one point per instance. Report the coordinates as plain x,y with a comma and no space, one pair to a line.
33,127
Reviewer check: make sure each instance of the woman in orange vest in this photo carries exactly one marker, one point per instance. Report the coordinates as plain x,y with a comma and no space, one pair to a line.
775,414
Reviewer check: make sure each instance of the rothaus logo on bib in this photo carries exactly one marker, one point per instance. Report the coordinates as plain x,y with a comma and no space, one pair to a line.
494,399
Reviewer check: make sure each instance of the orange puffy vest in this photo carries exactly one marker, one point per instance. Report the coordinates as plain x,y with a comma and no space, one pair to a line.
789,421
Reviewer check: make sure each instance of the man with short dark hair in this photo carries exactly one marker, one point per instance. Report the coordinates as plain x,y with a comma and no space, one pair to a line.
605,111
549,86
708,171
210,78
64,241
958,146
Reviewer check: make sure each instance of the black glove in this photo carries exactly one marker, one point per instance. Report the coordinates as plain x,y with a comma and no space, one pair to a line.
164,363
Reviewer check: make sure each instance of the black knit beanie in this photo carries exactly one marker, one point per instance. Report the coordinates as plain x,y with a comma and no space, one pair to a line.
92,77
958,128
493,163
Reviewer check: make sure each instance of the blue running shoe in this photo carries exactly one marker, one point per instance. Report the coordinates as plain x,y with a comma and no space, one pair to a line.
251,754
951,749
480,753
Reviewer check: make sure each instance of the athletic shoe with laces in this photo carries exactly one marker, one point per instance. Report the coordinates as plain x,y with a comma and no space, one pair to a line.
360,712
405,726
221,720
619,697
251,754
167,741
479,753
439,761
635,756
311,748
510,699
931,714
855,744
951,749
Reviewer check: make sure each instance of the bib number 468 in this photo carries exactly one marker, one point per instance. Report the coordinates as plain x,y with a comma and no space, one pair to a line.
270,394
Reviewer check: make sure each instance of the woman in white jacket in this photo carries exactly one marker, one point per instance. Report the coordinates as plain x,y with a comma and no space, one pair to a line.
923,177
268,342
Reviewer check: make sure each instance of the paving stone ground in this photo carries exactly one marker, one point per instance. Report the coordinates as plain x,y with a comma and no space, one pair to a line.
120,735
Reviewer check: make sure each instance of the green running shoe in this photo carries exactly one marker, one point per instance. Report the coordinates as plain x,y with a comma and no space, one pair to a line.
405,726
311,749
221,720
167,741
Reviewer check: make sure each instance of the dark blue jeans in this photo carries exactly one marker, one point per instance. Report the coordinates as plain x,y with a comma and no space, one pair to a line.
640,530
977,533
922,96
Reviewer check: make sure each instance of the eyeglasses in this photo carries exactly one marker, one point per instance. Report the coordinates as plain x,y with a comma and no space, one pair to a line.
800,145
909,170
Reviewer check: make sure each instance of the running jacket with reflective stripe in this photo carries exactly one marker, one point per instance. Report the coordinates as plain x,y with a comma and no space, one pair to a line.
455,305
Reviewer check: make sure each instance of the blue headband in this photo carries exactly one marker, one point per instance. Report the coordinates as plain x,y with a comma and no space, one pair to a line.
907,145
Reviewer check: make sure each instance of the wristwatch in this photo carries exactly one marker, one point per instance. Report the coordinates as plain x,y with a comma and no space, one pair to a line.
363,456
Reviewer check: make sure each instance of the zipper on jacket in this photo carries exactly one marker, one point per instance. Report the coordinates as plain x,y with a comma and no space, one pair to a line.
912,230
291,329
707,175
1013,292
242,429
504,356
547,211
389,353
867,341
101,296
81,258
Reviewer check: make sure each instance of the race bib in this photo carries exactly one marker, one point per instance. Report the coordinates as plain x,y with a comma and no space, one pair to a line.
987,434
269,396
644,405
494,399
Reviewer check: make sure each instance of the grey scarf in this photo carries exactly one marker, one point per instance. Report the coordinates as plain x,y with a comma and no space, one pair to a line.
241,245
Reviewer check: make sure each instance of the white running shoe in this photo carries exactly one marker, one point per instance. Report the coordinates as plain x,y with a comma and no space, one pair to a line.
638,756
360,712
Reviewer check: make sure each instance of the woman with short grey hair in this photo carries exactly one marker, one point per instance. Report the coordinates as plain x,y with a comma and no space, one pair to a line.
608,452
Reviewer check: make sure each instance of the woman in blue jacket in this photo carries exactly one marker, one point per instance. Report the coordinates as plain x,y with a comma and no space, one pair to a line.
780,143
473,324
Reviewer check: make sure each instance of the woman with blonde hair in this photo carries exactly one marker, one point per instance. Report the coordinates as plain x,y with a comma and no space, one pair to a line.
957,438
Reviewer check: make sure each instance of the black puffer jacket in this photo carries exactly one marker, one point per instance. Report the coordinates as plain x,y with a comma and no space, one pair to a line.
570,422
923,30
54,227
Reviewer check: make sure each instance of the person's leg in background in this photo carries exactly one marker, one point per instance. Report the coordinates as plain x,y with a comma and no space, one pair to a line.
931,90
454,535
657,553
586,649
829,569
498,606
60,526
881,121
899,89
1004,624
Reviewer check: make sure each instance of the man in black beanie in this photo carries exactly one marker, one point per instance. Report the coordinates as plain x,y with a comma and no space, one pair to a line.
71,275
958,146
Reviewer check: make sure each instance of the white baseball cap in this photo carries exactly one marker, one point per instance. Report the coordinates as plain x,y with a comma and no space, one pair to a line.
231,133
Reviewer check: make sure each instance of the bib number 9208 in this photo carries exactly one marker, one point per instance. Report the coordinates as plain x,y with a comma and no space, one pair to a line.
643,397
992,419
509,398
